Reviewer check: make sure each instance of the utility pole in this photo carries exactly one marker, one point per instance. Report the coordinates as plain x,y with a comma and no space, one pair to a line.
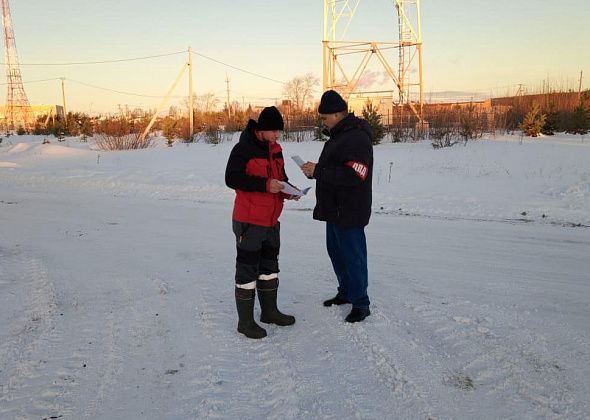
190,93
63,98
228,105
580,90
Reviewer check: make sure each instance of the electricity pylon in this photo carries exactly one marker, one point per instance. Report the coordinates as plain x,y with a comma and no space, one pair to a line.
408,76
18,110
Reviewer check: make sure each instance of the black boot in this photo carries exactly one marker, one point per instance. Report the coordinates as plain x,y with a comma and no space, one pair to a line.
246,323
267,295
358,314
336,300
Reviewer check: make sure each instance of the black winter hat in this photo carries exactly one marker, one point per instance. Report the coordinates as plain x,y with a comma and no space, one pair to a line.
270,119
332,103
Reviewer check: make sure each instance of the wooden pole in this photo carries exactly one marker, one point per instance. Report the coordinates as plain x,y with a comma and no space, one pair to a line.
228,106
63,98
163,102
580,90
190,94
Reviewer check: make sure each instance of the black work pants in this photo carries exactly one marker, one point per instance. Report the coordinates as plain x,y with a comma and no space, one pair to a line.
257,252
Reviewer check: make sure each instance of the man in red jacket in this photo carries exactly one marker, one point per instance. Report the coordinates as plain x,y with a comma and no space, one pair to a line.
255,170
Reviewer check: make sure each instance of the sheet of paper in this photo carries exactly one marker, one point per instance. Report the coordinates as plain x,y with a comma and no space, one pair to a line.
291,189
298,160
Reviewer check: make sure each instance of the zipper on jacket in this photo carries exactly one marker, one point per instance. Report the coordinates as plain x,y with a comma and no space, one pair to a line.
270,176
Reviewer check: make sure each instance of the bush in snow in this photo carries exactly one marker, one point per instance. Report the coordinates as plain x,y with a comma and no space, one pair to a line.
169,130
121,134
551,122
374,119
533,121
470,123
212,135
580,120
442,129
318,130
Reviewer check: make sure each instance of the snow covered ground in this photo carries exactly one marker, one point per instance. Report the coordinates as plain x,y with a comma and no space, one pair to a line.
116,288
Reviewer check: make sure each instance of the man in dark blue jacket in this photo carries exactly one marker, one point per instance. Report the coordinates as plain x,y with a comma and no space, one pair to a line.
343,177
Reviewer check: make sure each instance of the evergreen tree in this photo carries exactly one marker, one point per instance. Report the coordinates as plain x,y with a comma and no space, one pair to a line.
319,130
533,121
580,121
551,122
374,119
169,130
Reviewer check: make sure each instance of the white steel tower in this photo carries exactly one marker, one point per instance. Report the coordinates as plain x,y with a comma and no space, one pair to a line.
406,74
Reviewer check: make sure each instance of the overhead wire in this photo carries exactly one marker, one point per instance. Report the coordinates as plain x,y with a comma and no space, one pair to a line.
121,92
238,68
35,81
76,63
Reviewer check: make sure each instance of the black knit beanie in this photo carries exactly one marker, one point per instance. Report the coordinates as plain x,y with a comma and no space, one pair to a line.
332,103
270,119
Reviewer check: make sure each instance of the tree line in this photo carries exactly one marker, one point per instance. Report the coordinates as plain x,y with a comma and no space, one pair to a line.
443,124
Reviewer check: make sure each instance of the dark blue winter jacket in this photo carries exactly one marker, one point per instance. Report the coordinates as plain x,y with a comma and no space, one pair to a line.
344,175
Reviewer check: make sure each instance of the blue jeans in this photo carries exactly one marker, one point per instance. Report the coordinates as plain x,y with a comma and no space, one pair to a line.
347,248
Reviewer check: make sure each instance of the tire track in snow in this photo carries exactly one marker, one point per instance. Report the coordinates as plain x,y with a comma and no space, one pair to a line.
499,356
30,385
101,355
265,376
52,371
407,398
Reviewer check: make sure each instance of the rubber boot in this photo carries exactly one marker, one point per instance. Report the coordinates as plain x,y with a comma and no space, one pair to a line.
267,295
246,323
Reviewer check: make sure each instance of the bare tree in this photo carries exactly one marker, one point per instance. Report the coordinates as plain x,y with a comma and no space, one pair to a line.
300,90
207,102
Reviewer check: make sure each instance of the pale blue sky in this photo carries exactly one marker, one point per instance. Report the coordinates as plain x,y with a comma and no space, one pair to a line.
485,46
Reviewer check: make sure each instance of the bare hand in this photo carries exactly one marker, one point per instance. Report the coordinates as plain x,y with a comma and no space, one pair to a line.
275,186
308,169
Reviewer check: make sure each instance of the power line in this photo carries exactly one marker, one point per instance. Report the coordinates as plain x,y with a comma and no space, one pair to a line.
119,91
238,68
36,81
97,87
129,93
75,63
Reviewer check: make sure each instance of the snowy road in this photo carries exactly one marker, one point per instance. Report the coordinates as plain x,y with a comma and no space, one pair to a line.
122,307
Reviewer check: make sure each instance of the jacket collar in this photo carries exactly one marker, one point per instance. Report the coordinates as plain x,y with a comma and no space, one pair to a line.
342,125
248,135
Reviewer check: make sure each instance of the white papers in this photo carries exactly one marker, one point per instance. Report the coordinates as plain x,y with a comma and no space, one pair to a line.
298,160
291,189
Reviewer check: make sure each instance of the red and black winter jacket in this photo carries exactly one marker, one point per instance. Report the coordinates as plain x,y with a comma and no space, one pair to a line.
251,165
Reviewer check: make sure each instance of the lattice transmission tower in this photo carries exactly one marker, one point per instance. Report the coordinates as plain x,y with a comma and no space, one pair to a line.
403,67
18,110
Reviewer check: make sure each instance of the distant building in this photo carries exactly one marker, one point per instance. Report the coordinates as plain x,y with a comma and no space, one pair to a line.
38,111
47,110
